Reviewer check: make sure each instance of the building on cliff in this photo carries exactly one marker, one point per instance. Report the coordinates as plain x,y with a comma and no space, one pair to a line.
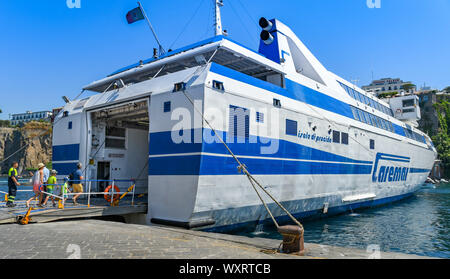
389,85
30,116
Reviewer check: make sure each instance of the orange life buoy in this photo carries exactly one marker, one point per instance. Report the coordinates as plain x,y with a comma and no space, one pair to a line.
115,196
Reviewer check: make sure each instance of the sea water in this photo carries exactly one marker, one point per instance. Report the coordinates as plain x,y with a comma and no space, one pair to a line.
20,195
417,225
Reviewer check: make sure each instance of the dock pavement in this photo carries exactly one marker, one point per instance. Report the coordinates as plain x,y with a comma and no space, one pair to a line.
96,239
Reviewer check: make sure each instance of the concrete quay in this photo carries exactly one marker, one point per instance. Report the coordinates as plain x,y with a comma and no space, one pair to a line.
95,239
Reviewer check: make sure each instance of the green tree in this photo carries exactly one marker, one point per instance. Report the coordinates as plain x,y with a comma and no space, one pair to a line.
5,123
408,86
442,138
446,89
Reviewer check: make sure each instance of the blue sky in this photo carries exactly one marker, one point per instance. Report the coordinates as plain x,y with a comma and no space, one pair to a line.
48,50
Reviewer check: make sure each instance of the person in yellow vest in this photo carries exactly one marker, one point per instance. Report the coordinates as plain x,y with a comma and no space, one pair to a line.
13,182
51,182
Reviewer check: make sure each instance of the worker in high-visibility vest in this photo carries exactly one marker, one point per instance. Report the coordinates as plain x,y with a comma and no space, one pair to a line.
13,182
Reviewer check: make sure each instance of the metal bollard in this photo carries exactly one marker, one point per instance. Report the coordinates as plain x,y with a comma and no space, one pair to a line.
293,241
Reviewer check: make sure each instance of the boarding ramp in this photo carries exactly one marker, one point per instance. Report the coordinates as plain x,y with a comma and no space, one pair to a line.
114,201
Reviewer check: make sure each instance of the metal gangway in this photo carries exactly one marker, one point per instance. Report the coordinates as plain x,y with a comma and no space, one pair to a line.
112,202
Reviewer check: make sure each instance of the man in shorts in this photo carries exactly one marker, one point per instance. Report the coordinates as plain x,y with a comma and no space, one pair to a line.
77,186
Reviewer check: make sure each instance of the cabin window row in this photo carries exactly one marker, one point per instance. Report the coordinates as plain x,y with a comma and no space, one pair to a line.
358,96
414,135
371,119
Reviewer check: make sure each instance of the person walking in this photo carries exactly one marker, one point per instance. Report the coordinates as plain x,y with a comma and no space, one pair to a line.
13,182
46,176
51,183
38,182
77,186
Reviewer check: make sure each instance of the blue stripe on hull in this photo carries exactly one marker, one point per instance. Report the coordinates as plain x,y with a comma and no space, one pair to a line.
161,144
69,152
308,215
219,165
64,168
414,170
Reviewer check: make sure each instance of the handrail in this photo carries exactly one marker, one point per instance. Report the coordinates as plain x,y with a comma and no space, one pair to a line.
89,192
99,180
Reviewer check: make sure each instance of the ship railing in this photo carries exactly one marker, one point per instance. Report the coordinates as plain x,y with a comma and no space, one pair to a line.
88,183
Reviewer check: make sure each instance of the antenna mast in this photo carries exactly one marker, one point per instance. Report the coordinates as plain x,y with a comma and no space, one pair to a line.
218,18
161,49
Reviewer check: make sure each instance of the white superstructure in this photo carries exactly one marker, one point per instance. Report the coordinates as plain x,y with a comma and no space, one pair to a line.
313,139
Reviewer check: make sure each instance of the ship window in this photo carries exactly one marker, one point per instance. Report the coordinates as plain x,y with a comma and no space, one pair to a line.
277,103
351,93
115,132
383,124
336,137
379,125
358,96
355,113
388,125
361,97
372,144
408,110
115,137
366,117
360,117
377,106
344,138
373,119
167,107
218,85
115,143
369,120
259,117
291,127
181,86
408,103
239,122
70,125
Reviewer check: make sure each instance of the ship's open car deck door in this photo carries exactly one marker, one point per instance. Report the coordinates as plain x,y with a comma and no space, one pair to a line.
120,141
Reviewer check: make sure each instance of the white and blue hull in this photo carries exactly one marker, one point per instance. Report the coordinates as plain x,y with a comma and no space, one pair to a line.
298,132
304,175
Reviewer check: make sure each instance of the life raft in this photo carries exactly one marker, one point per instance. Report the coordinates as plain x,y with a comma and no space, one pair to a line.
108,196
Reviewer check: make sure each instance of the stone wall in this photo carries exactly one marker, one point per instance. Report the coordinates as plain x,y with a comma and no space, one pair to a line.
37,139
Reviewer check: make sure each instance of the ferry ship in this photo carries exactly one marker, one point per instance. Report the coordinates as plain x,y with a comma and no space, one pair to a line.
318,143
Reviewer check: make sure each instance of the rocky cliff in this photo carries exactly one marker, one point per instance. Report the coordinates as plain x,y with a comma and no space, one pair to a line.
38,141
